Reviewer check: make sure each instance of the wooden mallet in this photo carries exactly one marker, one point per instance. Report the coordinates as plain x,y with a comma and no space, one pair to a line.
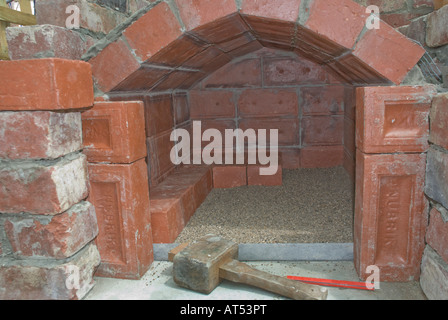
203,264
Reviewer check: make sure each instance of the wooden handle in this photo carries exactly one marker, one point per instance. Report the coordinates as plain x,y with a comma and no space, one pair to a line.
236,271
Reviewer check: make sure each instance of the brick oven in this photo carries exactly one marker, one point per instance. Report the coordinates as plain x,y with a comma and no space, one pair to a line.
339,91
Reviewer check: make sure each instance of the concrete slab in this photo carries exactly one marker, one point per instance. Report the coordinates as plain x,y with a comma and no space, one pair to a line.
157,284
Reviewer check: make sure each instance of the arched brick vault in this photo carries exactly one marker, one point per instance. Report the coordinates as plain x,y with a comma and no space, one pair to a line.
174,46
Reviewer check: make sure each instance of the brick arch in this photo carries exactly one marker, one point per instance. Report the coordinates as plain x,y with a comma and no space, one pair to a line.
175,46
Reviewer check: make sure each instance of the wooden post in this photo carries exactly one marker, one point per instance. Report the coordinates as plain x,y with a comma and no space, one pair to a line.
7,16
3,44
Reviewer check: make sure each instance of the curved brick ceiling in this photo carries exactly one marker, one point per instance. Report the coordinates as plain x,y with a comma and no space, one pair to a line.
168,48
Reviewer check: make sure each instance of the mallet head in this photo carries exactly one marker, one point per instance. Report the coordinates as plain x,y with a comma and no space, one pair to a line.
197,266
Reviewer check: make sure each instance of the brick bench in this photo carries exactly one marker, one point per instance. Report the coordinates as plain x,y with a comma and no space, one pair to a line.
174,201
230,176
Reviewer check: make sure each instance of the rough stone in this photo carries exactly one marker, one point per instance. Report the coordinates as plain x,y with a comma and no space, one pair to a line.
437,175
43,187
50,280
434,275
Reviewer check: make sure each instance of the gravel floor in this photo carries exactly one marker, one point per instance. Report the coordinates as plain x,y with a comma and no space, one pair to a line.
312,206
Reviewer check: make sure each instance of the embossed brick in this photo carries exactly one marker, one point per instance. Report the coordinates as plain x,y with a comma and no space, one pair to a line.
39,135
57,237
120,195
43,187
114,132
46,84
390,214
393,119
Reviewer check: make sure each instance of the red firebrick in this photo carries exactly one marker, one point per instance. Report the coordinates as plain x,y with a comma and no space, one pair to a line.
229,176
254,178
245,73
57,237
322,130
288,128
211,104
159,160
278,10
290,158
268,103
43,187
112,65
196,13
394,55
437,234
114,132
174,201
120,195
322,157
45,84
158,114
288,71
328,100
439,121
153,31
181,108
393,119
39,135
208,60
339,21
390,216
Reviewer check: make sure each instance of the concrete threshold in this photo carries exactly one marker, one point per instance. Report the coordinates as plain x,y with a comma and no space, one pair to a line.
279,251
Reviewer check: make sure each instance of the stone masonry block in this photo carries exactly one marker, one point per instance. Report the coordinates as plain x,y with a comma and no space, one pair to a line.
43,187
92,16
434,278
68,279
393,119
120,195
439,121
437,234
114,132
437,28
57,237
390,214
45,84
437,176
39,135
